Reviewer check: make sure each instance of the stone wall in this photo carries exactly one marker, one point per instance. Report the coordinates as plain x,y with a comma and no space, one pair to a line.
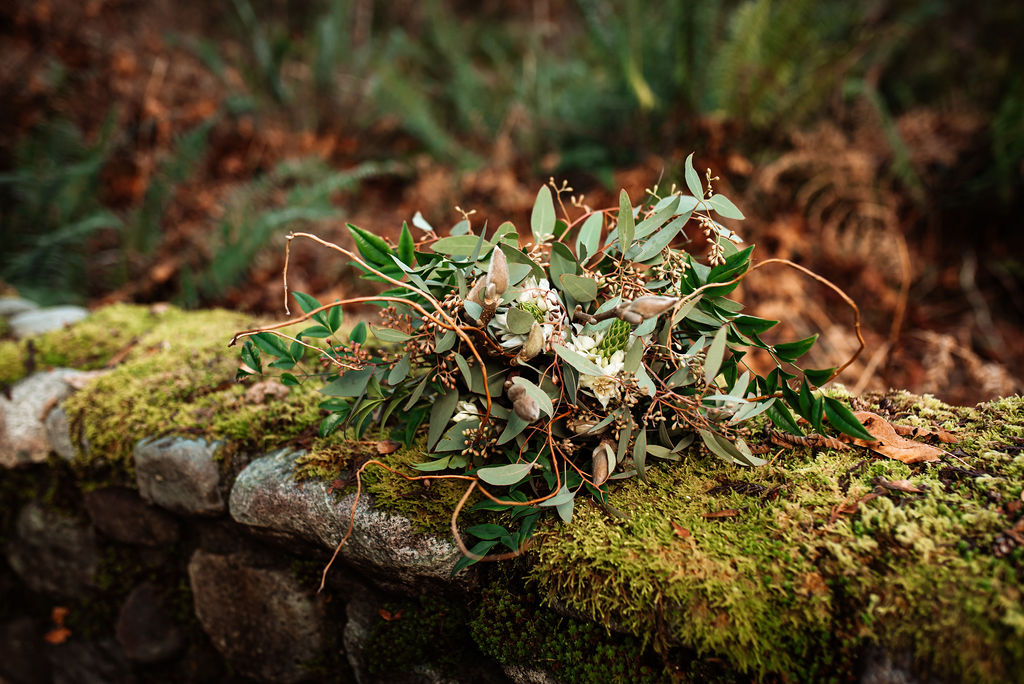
160,523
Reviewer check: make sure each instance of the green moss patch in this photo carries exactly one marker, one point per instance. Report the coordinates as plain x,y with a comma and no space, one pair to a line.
179,378
779,569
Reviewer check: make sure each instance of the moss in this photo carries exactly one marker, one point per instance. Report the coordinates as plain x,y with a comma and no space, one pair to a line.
87,345
510,626
428,630
179,379
428,504
791,585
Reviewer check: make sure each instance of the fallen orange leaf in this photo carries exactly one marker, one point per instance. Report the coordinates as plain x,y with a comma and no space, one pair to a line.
57,635
679,529
387,446
889,443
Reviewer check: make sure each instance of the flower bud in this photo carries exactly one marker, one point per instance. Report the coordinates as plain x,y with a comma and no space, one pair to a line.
650,306
497,272
476,291
534,343
526,407
602,462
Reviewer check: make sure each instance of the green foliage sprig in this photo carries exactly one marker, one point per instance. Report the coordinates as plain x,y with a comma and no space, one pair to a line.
541,374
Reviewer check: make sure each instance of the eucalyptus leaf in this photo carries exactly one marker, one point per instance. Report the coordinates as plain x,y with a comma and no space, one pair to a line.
542,218
626,227
535,393
440,413
692,179
580,288
589,237
504,476
519,321
580,363
389,334
715,355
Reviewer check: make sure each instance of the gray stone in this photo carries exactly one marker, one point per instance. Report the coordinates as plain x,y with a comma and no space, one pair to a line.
259,618
180,475
40,321
880,666
524,674
89,662
382,545
145,630
12,306
22,660
52,552
23,437
121,514
58,433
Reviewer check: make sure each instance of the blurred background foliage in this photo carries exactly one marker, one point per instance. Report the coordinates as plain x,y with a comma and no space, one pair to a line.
159,151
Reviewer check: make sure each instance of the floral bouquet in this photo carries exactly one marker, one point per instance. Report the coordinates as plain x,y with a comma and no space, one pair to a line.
541,374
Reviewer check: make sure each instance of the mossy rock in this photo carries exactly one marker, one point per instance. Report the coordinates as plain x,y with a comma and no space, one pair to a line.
796,583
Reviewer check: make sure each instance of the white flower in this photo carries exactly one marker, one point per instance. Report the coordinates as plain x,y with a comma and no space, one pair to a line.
603,387
465,410
540,295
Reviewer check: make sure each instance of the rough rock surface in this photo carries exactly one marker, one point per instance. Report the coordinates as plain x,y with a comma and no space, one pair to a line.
38,321
122,515
23,437
382,545
259,618
52,552
21,660
58,433
179,475
145,630
89,662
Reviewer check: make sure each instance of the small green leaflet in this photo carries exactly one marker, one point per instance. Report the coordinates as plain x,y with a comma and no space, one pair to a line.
461,246
843,420
487,531
580,288
589,236
716,352
519,321
400,371
358,334
506,475
389,334
349,384
692,179
791,351
577,361
440,413
406,246
542,218
372,248
724,206
626,227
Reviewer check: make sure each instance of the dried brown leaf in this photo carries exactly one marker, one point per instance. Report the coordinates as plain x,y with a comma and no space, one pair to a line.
679,530
912,432
387,446
900,486
890,444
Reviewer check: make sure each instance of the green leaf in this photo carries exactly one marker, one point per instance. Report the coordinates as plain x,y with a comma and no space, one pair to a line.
389,334
289,380
589,237
440,413
626,227
418,392
443,343
479,549
634,356
506,475
519,321
564,495
660,240
373,249
724,206
783,419
720,446
640,454
562,261
433,466
542,218
358,334
692,179
578,362
580,288
487,531
406,246
661,214
819,377
334,316
715,355
271,344
316,331
251,356
330,423
536,393
307,303
842,419
751,325
791,351
513,427
400,371
461,246
349,384
463,365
